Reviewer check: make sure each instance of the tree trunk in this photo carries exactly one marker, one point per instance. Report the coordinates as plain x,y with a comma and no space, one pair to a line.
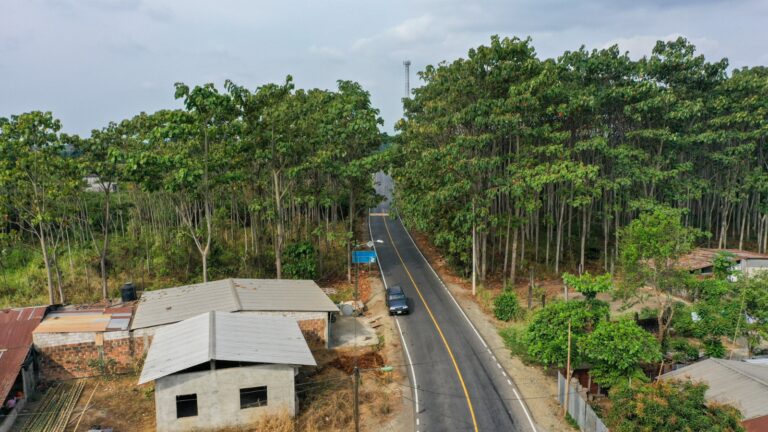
279,225
46,260
105,247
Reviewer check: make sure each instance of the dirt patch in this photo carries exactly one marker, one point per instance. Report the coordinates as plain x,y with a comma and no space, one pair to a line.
117,403
346,363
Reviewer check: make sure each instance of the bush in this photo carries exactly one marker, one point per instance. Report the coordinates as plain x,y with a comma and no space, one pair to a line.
713,347
682,351
300,261
514,340
506,307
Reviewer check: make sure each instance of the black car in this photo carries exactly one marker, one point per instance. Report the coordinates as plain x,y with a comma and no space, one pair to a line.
397,302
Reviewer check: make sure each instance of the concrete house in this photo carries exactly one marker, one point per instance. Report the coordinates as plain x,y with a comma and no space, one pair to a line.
741,384
222,369
301,300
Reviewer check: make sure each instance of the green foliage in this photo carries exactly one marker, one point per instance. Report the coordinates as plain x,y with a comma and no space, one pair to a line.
300,261
589,285
506,307
682,351
547,333
514,339
616,349
722,264
713,347
669,406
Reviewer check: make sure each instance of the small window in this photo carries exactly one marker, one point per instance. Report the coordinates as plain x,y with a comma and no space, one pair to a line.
253,397
186,405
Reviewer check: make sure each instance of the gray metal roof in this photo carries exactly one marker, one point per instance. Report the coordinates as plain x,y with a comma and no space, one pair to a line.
741,384
227,337
172,305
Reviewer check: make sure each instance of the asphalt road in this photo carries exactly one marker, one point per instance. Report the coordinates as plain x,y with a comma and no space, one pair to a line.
456,382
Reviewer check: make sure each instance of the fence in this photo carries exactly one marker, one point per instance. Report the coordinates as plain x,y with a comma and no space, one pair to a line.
578,407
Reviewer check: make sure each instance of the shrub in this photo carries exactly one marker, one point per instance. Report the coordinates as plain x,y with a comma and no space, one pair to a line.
713,347
506,307
514,340
300,261
682,351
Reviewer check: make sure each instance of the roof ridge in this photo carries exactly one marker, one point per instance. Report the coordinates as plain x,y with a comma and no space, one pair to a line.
235,295
212,335
740,372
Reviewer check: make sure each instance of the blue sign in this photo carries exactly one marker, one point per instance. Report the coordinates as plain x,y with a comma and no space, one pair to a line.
364,257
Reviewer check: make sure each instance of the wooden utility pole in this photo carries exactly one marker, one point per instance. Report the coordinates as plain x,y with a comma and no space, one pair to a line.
567,373
474,252
357,399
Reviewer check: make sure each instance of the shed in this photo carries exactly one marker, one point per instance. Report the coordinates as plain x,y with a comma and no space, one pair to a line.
18,365
302,300
702,259
222,369
71,340
741,384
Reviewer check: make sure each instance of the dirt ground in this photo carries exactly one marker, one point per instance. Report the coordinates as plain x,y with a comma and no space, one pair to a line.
538,389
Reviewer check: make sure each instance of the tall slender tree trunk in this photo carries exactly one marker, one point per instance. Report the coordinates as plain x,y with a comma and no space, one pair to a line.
278,224
47,261
105,246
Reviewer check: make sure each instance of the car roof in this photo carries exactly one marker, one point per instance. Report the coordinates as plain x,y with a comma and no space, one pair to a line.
396,289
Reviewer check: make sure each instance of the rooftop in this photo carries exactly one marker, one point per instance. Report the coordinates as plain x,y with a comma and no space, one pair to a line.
741,384
226,337
16,326
701,258
172,305
77,319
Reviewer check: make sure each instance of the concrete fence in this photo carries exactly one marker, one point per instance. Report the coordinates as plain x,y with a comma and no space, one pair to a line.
578,407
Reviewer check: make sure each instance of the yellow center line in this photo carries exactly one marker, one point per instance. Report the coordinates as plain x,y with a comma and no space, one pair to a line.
437,326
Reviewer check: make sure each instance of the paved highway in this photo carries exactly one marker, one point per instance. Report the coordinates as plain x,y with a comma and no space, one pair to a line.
456,382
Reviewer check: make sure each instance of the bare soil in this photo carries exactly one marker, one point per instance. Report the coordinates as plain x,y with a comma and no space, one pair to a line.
117,403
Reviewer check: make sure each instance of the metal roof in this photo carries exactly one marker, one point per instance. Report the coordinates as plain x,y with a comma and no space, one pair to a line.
741,384
226,337
171,305
701,258
16,326
76,319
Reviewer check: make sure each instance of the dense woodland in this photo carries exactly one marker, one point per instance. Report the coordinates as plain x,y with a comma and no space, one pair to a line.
527,163
245,183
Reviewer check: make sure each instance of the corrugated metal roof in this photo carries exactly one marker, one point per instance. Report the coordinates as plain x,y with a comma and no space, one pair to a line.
74,319
741,384
171,305
226,337
701,258
16,326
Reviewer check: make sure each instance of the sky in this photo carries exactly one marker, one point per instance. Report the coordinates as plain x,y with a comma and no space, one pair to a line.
95,61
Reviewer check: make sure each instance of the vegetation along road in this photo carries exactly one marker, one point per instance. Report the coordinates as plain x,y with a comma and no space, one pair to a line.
457,383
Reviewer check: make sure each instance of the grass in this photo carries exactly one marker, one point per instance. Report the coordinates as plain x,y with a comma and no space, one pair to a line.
513,336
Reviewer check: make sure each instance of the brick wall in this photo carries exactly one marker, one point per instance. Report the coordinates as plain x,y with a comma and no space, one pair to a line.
58,362
314,332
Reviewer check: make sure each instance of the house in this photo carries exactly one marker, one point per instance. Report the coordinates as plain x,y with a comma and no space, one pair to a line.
94,184
18,364
221,369
301,300
77,341
741,384
702,260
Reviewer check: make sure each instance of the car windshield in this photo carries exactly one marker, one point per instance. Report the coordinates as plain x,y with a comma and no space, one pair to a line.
397,296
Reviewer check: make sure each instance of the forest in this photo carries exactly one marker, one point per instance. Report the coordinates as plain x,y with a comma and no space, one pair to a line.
521,164
238,182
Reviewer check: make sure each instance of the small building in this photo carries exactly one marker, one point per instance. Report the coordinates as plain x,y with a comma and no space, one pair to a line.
220,369
702,260
741,384
78,341
301,300
18,363
94,184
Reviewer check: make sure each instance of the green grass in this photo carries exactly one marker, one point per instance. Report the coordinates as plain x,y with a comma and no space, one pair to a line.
513,336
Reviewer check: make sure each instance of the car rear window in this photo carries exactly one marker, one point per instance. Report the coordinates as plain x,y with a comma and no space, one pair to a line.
397,296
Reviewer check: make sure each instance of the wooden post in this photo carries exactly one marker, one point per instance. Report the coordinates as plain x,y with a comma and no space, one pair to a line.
567,373
530,291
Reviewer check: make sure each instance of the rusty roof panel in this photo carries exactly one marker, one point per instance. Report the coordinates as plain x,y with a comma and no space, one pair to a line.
701,258
16,327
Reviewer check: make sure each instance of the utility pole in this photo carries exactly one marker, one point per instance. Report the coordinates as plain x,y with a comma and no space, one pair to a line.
474,252
567,373
407,65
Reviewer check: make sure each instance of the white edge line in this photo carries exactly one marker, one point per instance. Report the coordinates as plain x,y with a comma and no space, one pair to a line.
519,399
402,337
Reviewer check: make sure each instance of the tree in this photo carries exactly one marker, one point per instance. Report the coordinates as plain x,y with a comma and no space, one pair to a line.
669,406
652,244
588,285
37,180
547,334
616,349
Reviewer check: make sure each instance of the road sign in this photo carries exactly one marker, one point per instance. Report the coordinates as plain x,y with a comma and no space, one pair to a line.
364,257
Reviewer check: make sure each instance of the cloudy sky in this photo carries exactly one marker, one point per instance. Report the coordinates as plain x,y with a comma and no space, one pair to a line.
95,61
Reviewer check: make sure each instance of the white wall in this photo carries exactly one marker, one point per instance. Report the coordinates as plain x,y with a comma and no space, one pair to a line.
218,396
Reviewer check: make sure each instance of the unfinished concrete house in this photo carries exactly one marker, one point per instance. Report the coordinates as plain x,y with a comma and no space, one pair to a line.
301,300
221,369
